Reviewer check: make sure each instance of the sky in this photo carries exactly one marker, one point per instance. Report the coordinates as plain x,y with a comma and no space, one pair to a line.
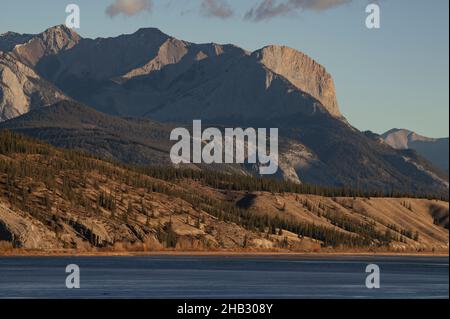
393,77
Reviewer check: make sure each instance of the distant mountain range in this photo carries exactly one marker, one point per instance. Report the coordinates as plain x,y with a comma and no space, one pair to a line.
150,75
436,150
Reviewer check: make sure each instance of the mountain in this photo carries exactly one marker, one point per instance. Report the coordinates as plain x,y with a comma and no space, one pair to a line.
137,74
9,40
32,49
22,87
144,142
150,75
301,71
436,150
55,200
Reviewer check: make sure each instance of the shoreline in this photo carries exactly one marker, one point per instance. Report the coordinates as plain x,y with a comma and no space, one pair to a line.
243,254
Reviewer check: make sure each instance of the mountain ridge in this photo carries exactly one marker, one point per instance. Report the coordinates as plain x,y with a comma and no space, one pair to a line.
148,74
61,56
436,150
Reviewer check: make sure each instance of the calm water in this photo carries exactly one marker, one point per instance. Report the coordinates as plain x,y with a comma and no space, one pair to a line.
223,277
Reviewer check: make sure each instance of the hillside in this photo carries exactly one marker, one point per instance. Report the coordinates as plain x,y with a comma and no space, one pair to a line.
130,141
54,199
325,159
75,126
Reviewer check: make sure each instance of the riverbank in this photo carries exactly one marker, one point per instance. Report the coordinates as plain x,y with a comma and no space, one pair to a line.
280,254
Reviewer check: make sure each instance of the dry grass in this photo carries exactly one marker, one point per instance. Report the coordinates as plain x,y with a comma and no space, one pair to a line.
6,246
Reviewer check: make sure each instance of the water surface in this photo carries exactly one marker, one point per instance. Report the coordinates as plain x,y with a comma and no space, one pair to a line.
224,277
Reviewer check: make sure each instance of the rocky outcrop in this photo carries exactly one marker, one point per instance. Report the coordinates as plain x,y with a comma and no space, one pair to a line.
23,231
401,139
22,89
170,52
303,72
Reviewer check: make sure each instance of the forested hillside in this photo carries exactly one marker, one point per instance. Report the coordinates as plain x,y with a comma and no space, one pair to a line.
56,199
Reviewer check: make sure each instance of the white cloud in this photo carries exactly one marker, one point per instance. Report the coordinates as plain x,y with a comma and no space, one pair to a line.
129,7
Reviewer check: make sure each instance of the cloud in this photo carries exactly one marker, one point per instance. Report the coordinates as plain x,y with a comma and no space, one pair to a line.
217,8
129,7
269,9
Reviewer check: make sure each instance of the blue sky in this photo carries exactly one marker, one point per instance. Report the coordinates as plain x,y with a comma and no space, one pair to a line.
396,76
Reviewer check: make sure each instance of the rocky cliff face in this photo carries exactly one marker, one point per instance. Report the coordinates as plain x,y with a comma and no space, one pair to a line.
24,231
303,72
22,89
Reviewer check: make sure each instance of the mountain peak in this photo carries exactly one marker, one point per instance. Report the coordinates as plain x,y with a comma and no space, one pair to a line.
303,72
148,30
149,33
401,138
433,149
61,33
49,42
397,130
